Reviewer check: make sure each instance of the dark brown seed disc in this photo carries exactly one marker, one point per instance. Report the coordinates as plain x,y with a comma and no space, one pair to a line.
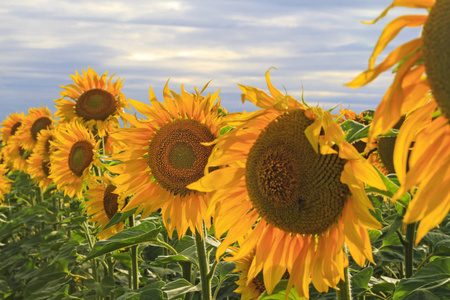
110,201
176,155
436,53
291,186
38,125
386,146
95,104
15,127
47,145
45,165
22,152
80,157
258,283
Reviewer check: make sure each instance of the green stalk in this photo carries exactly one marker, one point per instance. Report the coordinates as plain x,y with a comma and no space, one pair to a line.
91,245
111,263
203,265
344,292
409,249
134,260
186,269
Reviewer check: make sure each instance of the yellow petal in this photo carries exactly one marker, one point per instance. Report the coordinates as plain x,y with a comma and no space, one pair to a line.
218,179
392,29
257,96
394,57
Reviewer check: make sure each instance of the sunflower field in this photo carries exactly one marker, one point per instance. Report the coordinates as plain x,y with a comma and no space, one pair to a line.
114,198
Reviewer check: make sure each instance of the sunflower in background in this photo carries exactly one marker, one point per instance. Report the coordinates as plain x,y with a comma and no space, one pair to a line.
102,204
288,177
73,155
380,152
5,182
166,153
109,144
10,125
427,165
39,160
95,101
36,120
15,157
249,289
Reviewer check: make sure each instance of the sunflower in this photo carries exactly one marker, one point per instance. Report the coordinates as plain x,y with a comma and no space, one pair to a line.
249,290
36,120
287,172
39,160
409,88
75,152
166,153
5,182
102,205
14,155
93,100
424,166
10,125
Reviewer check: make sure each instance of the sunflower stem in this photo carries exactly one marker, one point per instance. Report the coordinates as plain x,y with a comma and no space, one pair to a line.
91,245
186,270
134,260
203,264
409,249
344,292
111,263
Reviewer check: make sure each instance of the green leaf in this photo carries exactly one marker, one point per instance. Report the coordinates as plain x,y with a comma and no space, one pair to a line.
225,269
373,234
389,256
224,130
354,130
120,217
434,278
162,260
391,186
144,232
384,287
101,288
124,258
420,294
279,293
362,278
179,287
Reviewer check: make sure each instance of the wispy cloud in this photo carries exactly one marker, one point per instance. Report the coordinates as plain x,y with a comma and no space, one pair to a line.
319,45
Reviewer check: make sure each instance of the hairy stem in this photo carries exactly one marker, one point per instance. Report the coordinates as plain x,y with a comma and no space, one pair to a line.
134,260
203,265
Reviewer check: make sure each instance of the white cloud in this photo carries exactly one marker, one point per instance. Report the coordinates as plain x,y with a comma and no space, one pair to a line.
146,42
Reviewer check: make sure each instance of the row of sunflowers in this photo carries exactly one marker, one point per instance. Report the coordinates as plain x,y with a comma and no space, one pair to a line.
186,200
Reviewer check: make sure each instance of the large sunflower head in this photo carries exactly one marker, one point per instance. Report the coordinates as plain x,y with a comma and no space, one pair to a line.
10,125
73,155
410,87
36,120
289,178
39,160
93,100
166,153
102,204
410,94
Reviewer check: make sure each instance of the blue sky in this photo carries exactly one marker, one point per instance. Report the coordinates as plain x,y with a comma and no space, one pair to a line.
319,45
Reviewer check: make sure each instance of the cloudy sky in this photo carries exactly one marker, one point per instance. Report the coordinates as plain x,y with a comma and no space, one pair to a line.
319,45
